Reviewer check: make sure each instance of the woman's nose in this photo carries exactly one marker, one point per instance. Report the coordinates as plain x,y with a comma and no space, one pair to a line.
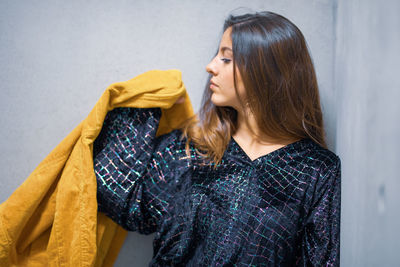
210,68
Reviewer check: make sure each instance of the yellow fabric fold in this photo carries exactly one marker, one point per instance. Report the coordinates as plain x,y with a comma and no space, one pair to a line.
51,219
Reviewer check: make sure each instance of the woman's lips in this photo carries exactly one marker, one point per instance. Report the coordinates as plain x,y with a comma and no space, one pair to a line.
212,85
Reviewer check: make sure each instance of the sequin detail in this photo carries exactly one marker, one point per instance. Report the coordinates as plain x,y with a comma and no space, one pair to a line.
282,209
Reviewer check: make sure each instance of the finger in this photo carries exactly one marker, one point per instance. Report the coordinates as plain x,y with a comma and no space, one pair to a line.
180,100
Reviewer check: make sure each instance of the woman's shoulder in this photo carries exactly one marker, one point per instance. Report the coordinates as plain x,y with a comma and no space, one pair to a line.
172,141
320,158
173,136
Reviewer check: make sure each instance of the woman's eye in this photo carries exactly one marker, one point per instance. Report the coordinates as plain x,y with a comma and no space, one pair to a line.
226,60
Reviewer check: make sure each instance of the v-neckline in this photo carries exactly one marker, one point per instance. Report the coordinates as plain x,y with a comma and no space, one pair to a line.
265,155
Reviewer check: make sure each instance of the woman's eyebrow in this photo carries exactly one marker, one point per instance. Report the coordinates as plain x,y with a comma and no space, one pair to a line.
225,48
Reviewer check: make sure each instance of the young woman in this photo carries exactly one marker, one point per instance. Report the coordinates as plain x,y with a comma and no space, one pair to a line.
246,182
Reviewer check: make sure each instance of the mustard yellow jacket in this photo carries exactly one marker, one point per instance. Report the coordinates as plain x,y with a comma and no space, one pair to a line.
52,218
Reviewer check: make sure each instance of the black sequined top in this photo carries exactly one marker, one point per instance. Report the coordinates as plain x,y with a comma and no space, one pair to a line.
281,209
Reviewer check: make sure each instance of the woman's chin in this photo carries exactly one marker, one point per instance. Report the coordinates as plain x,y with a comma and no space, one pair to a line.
216,101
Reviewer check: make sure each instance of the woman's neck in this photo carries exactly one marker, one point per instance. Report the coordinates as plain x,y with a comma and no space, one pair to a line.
250,133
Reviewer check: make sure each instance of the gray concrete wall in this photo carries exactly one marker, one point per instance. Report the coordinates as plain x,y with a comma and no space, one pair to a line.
368,130
59,56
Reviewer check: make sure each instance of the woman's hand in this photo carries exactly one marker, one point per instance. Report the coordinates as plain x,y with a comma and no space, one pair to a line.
180,100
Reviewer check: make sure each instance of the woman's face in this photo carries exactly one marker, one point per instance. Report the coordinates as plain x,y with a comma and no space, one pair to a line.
221,69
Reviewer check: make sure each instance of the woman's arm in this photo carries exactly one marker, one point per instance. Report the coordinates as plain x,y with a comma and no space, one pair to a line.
121,154
320,244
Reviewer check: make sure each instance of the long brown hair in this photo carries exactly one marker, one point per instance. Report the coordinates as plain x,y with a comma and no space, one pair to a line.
272,56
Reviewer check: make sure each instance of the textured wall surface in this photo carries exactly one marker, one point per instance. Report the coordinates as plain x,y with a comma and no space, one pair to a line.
368,130
59,56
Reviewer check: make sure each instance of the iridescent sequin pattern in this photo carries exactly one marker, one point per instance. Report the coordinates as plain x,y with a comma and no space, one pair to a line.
281,209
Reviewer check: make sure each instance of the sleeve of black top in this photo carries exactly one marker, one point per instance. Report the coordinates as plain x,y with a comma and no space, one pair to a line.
121,155
321,236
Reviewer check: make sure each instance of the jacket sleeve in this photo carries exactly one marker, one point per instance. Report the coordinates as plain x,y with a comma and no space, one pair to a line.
320,244
121,154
